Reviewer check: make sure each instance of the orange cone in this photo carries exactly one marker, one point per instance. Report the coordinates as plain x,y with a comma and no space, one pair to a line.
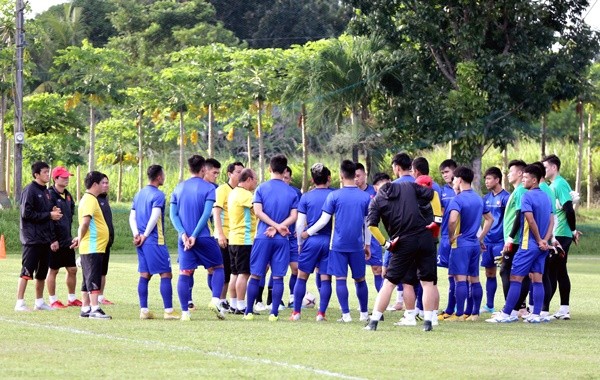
2,248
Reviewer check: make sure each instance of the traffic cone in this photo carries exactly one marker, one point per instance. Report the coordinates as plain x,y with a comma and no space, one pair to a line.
2,248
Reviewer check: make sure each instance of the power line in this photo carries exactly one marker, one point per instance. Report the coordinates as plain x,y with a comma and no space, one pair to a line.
590,9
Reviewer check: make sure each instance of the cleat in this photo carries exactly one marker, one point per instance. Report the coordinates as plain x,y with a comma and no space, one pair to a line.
191,306
106,302
186,317
502,319
75,303
404,321
22,308
290,305
273,318
219,312
259,306
364,317
371,326
295,316
562,316
248,317
321,318
472,318
238,312
420,315
427,326
84,314
170,316
58,305
225,305
444,316
435,321
99,314
456,318
42,307
486,309
532,319
146,315
345,319
396,307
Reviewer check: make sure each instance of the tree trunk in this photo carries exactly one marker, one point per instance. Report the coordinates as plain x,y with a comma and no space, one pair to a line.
140,150
580,148
249,143
181,145
505,168
305,180
477,163
78,187
450,149
590,177
120,180
8,165
354,123
92,155
543,137
4,200
211,121
261,145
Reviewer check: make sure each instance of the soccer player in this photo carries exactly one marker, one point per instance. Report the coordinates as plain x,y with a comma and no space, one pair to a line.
314,251
63,257
376,254
146,220
350,239
191,206
287,178
275,206
38,215
398,205
447,195
495,201
536,228
566,233
210,173
463,223
221,224
242,229
92,239
107,213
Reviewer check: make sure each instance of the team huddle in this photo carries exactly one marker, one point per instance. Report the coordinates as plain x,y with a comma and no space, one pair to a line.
246,235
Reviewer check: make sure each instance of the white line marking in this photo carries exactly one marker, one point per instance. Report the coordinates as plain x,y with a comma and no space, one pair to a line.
149,344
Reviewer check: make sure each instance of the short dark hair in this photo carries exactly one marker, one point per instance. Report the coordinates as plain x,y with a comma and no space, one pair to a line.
196,163
553,159
421,164
93,177
464,173
278,163
246,174
360,166
541,166
320,174
403,160
231,167
288,169
518,163
212,163
494,172
379,177
37,167
154,171
534,170
449,163
348,169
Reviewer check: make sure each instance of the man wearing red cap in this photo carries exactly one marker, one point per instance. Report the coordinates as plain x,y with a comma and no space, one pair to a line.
63,257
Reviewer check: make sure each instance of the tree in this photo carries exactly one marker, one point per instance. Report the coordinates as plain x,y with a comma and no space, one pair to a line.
7,53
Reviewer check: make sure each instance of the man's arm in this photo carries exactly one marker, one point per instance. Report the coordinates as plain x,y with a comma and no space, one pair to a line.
81,231
452,222
318,226
300,226
208,206
281,228
488,220
219,234
533,227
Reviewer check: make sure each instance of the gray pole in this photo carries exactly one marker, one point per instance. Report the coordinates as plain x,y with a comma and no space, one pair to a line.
19,132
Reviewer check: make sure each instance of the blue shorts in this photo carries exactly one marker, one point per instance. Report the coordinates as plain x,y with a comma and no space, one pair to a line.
464,261
528,261
205,252
293,250
315,254
443,255
153,259
339,262
273,251
491,251
376,252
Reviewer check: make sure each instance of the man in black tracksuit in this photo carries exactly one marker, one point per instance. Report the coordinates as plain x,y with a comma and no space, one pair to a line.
37,235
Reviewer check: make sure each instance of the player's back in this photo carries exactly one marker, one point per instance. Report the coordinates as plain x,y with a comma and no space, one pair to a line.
470,208
539,204
277,199
311,204
190,197
148,198
496,204
349,207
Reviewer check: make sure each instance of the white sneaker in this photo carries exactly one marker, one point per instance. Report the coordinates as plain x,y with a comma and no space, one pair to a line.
364,317
259,306
404,321
217,309
562,316
345,319
501,319
43,307
22,308
435,321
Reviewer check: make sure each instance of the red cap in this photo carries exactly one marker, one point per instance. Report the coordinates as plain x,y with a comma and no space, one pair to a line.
424,180
60,171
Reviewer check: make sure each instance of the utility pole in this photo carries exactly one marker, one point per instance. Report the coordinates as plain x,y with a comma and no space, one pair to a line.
19,132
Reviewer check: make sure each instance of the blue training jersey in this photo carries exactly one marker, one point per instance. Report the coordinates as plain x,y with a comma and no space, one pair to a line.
446,196
292,228
375,246
190,196
278,199
496,204
470,208
311,205
539,203
404,178
349,206
145,200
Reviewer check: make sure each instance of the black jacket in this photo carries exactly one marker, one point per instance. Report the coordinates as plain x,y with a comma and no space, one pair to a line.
62,227
36,225
398,205
107,213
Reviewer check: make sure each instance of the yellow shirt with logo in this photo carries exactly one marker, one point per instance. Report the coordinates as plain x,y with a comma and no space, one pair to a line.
95,239
242,221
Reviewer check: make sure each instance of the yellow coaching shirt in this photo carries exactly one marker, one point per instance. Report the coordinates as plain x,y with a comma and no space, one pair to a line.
96,237
222,195
242,221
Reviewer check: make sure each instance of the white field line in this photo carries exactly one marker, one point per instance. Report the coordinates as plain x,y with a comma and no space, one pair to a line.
150,344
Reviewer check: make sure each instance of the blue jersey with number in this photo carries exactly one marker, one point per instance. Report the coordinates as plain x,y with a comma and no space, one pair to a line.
496,204
190,196
145,200
539,203
349,206
470,208
311,205
278,199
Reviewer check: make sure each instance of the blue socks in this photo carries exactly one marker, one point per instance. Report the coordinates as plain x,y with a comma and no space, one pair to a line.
166,291
143,292
469,307
251,292
318,281
462,291
477,293
419,295
341,288
538,297
362,292
209,280
491,285
514,292
277,294
299,292
183,289
292,284
451,296
325,295
217,281
378,279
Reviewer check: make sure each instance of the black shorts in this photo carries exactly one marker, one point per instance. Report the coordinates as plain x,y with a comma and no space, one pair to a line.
416,256
91,265
105,258
240,259
63,258
35,260
226,262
